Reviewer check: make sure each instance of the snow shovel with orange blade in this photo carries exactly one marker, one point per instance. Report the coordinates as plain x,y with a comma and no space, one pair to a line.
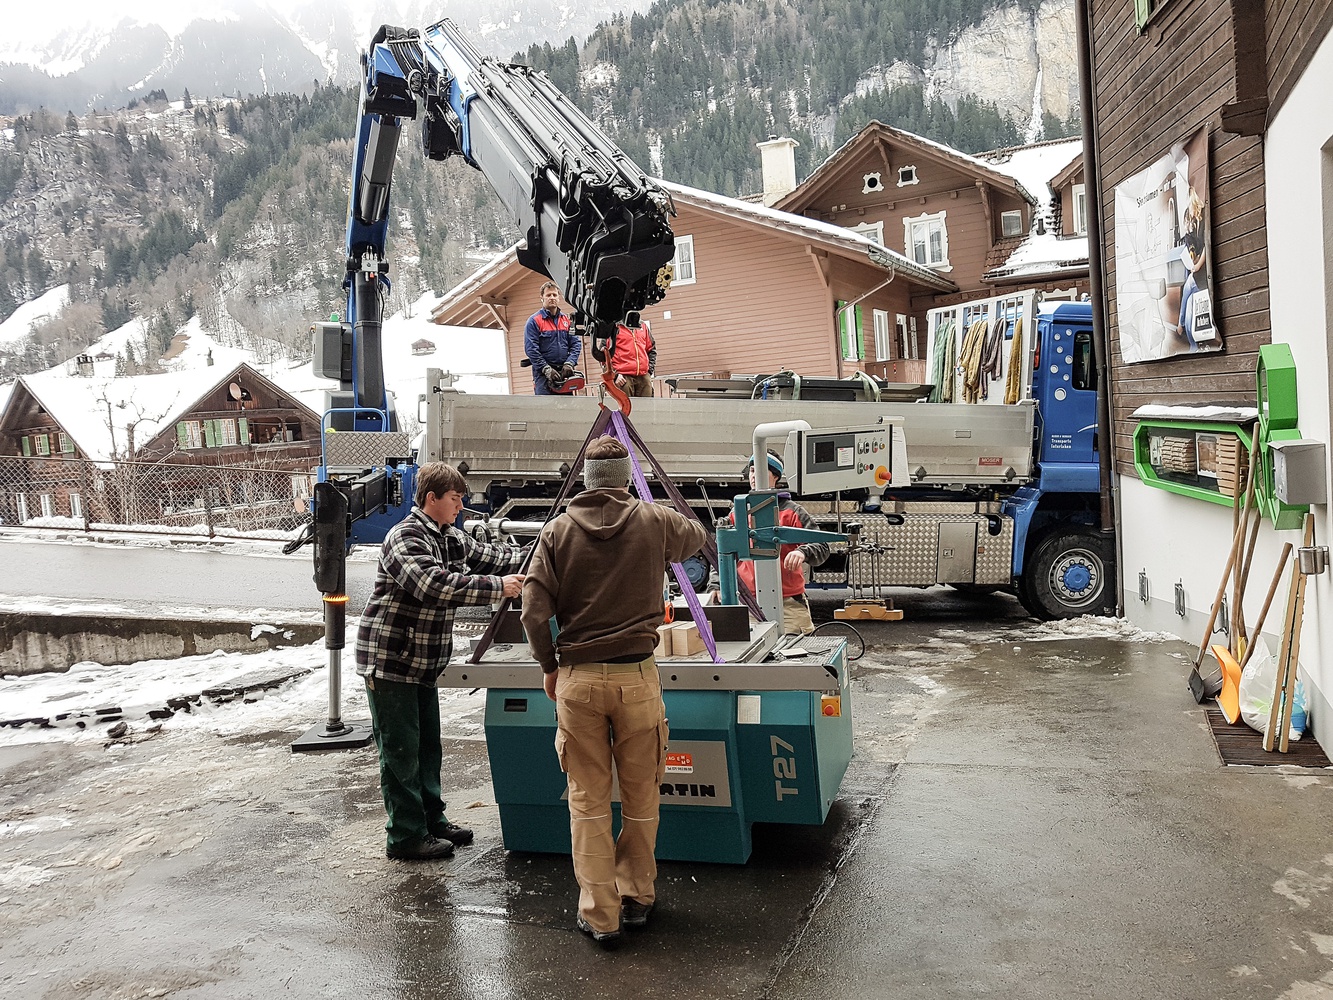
1229,697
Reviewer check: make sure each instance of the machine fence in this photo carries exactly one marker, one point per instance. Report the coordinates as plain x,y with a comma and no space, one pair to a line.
153,497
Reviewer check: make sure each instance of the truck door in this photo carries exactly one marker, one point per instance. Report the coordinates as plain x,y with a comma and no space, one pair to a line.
1066,391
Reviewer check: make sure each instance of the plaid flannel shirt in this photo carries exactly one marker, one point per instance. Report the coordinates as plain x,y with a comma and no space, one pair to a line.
424,572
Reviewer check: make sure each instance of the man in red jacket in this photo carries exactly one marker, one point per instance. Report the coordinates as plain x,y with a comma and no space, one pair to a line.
598,570
634,359
795,605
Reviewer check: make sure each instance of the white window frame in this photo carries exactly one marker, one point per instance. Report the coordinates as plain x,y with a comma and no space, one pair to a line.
22,504
926,222
912,177
871,230
1079,200
194,435
684,261
227,436
900,335
42,444
75,505
913,351
1012,214
872,183
883,343
48,503
66,444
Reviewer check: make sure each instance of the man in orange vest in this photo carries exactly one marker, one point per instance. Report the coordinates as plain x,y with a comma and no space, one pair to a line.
633,360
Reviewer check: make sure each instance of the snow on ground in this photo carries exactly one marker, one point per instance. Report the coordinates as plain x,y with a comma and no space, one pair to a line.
1085,627
25,317
154,536
18,604
138,687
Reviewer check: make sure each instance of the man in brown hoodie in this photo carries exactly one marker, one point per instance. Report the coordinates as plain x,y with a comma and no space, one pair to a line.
598,570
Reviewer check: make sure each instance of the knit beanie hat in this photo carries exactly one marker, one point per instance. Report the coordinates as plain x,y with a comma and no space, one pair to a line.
606,473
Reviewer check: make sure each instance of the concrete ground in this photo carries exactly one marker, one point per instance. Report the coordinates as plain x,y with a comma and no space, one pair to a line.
1029,814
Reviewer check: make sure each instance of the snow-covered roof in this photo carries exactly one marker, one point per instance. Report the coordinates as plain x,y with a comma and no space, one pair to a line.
97,411
1044,254
1034,166
1214,412
29,314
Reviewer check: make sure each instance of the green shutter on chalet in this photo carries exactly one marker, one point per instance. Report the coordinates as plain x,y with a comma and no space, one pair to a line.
27,448
850,327
1142,11
244,426
182,436
210,434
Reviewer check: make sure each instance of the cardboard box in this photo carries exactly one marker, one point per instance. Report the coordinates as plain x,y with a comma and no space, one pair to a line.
685,639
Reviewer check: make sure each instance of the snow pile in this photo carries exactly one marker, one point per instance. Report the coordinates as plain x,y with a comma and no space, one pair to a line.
1093,627
21,321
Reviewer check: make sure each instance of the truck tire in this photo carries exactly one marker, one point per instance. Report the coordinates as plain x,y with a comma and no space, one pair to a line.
1066,575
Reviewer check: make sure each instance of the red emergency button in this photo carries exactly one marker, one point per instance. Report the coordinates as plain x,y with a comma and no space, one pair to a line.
882,476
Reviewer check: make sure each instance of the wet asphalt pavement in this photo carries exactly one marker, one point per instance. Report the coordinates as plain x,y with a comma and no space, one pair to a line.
1043,819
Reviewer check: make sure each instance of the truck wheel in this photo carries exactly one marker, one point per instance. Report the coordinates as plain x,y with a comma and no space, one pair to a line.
1066,576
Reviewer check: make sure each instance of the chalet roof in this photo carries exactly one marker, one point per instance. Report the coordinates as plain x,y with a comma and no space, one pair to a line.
842,157
97,411
504,271
1034,165
1046,255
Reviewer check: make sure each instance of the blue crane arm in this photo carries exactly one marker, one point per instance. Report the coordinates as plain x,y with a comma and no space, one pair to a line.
592,220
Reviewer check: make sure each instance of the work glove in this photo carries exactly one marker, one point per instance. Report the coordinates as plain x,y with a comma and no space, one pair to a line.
550,374
566,370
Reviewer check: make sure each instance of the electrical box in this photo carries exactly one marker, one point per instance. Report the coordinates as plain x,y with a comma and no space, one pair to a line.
1298,471
845,458
331,344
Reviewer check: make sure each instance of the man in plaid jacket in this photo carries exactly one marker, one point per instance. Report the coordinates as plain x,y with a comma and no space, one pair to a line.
427,568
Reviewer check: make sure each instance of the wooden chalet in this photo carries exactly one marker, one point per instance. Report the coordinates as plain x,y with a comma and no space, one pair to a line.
755,291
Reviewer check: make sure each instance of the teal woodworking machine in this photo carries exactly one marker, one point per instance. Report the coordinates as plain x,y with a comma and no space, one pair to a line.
760,734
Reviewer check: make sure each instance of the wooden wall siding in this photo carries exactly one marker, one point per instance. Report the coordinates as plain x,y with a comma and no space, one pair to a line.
854,280
1153,90
786,317
1294,30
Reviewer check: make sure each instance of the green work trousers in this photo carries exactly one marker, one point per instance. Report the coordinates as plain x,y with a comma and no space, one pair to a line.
406,722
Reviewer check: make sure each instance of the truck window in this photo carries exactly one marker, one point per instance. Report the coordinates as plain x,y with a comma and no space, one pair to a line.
1085,372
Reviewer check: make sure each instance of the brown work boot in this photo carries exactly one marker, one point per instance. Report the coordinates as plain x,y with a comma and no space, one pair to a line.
633,913
610,940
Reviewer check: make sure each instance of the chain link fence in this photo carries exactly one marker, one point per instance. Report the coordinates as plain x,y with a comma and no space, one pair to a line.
159,497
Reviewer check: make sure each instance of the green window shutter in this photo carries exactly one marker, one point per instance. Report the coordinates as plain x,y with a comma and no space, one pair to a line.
182,436
1142,11
210,434
860,334
27,447
244,427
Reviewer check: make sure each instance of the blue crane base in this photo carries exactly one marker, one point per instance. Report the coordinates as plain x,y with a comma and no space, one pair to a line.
735,758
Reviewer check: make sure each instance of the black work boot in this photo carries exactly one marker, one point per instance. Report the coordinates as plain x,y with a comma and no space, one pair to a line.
426,849
452,832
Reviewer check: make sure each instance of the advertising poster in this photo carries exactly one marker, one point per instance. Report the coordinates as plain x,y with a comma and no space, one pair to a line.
1163,257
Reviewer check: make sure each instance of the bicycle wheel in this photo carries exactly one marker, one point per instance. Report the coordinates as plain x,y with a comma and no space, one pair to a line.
856,645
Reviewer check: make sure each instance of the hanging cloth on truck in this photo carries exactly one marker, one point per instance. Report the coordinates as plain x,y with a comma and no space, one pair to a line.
1013,382
969,358
942,362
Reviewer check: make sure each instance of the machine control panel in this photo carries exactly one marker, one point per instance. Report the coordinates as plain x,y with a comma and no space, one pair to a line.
843,458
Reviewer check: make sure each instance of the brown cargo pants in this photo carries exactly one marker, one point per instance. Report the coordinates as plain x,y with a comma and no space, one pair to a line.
606,712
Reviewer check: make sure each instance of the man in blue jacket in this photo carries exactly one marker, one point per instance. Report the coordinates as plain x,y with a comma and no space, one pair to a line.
548,343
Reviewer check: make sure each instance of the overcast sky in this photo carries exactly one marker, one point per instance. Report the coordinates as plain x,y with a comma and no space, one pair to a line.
46,19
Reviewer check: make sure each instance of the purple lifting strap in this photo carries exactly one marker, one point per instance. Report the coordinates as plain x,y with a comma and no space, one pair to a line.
621,434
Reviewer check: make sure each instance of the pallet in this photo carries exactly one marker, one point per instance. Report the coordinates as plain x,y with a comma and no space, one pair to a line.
867,611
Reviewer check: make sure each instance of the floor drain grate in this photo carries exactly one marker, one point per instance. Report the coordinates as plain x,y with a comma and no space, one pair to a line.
1239,744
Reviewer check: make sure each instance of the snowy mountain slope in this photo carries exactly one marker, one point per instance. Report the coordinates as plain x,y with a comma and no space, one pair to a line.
66,55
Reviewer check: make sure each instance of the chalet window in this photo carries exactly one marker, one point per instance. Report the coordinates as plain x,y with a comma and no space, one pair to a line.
927,240
226,432
871,183
43,443
1011,223
301,490
66,444
850,328
900,332
911,351
48,505
188,435
883,346
906,176
75,505
871,230
22,504
1080,200
683,263
1144,11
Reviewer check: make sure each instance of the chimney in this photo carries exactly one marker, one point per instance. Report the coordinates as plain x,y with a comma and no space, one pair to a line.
83,365
779,164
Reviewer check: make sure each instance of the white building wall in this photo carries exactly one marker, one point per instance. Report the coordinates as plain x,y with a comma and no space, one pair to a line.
1175,539
1298,158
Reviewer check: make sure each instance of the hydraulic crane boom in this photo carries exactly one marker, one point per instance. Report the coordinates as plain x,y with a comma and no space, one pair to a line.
592,220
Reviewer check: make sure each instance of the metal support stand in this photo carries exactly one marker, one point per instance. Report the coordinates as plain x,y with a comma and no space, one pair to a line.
331,578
